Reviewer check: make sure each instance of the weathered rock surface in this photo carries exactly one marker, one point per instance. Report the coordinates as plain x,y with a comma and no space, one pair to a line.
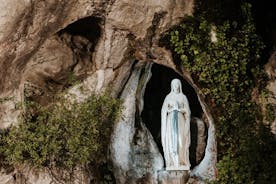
198,138
26,175
129,30
43,44
135,154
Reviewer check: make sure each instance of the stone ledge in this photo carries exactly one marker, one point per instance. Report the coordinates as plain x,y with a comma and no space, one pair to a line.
173,177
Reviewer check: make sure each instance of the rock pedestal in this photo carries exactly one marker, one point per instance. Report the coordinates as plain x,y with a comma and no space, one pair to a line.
173,177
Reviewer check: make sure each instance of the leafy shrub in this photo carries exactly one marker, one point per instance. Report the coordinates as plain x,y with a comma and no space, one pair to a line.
63,134
227,71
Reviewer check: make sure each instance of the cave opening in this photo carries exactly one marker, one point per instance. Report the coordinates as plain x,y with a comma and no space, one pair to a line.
84,34
81,36
156,90
74,47
88,27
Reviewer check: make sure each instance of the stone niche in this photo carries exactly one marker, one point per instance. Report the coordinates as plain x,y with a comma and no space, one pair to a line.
136,149
156,90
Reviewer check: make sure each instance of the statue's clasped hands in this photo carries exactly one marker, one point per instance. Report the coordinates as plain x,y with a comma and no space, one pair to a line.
176,108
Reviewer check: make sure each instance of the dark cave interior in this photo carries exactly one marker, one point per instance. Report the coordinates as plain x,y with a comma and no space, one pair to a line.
87,27
84,32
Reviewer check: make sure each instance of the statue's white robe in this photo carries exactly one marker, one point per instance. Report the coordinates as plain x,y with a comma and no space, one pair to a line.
176,160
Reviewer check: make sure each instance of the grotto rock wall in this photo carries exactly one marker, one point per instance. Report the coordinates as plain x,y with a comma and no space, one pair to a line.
43,44
28,33
135,154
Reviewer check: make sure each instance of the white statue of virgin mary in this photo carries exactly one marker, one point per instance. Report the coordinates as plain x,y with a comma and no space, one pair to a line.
175,128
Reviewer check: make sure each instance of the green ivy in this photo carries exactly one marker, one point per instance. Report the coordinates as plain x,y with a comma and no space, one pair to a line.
63,134
228,70
270,112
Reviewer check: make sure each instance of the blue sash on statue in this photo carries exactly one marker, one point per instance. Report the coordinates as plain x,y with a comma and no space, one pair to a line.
175,131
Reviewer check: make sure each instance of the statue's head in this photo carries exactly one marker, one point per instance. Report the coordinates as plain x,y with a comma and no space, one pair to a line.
176,86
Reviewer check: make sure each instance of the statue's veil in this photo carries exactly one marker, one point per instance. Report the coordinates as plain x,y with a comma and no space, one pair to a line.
174,82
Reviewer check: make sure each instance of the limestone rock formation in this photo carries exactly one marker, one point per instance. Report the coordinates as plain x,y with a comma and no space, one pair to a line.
45,46
199,136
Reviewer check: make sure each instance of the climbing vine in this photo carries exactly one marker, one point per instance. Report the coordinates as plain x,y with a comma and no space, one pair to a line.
223,57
